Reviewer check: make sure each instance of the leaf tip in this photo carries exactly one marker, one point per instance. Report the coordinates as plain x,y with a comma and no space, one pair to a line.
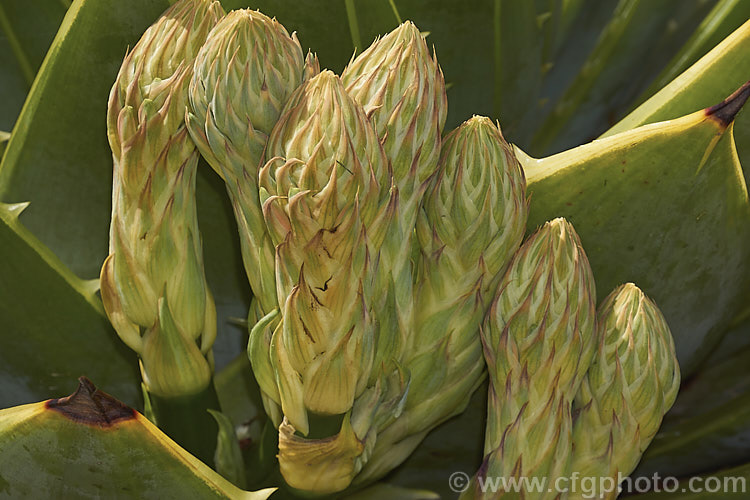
727,110
89,405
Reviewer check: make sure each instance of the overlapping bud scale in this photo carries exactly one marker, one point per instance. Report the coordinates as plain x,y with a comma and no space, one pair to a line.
383,258
244,75
402,90
473,221
153,285
538,339
321,193
630,385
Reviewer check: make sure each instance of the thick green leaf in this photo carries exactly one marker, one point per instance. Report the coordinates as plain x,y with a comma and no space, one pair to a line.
734,341
50,153
664,206
89,445
714,76
638,39
518,53
724,18
4,137
58,158
566,14
53,328
26,31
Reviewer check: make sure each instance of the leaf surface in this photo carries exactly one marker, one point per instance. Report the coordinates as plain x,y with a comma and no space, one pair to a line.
53,328
89,445
664,206
27,28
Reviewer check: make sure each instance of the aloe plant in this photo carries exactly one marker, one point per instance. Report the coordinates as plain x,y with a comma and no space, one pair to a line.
660,203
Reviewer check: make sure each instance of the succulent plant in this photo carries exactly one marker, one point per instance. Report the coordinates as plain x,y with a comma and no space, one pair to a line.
359,304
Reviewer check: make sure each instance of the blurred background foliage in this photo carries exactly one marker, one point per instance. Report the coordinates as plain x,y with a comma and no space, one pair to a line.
555,73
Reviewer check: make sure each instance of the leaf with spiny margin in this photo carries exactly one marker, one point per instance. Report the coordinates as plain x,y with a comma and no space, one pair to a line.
53,325
90,445
664,206
725,17
715,75
64,113
637,39
71,193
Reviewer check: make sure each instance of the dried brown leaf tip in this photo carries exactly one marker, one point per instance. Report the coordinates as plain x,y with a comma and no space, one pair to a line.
727,110
88,405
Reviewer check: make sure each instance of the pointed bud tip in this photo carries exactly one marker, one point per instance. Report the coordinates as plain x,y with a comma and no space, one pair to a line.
478,121
559,226
325,79
407,30
629,289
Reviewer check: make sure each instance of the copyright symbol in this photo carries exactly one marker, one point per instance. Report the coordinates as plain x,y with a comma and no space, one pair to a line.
458,482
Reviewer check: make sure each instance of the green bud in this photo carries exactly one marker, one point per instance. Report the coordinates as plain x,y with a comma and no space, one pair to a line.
340,155
630,385
321,194
538,339
473,220
475,215
155,246
172,365
402,90
244,75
